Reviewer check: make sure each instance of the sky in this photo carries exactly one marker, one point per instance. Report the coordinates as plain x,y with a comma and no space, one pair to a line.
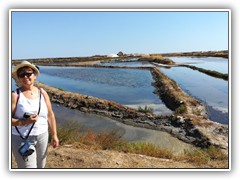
42,34
30,51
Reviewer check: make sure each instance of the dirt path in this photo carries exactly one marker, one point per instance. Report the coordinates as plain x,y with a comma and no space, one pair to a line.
81,158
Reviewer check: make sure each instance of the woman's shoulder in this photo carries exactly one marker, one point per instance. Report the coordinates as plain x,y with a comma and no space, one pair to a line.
43,92
14,95
16,92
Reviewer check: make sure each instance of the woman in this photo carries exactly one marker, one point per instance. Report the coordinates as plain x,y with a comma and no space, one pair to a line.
31,114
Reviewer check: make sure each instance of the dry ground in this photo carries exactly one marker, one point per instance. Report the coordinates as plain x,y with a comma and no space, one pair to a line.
69,157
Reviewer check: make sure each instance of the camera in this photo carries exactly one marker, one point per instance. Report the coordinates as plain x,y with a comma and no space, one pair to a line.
24,149
27,115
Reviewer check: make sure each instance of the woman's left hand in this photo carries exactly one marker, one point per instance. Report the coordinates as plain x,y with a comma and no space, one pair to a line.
55,141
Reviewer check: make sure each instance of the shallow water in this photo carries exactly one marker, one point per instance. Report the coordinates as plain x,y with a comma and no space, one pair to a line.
209,90
209,63
134,134
100,124
125,86
128,64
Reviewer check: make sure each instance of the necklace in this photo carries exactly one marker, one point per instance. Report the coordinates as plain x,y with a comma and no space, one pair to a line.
30,92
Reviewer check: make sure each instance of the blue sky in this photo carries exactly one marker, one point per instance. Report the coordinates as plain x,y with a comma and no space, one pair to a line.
78,34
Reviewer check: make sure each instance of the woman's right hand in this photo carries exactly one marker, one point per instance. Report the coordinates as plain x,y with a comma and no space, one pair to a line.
32,119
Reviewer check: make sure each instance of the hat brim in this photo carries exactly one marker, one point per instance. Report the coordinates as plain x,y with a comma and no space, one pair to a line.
14,73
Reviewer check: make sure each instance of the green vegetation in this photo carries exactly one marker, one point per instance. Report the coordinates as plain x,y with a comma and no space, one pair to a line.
69,132
209,72
203,156
146,109
58,88
53,86
146,149
156,58
197,111
223,54
181,109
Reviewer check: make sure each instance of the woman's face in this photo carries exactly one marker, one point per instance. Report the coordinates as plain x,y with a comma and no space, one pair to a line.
26,76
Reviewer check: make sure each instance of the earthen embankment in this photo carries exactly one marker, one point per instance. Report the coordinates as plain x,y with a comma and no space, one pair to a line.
179,126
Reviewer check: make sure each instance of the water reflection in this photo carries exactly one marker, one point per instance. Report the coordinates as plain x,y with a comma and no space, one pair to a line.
212,91
209,63
100,124
127,64
128,87
135,134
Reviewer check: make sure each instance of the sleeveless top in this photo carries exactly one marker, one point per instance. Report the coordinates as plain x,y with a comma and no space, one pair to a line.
31,106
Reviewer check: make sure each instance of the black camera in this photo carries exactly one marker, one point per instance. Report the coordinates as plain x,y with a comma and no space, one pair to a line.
25,150
27,115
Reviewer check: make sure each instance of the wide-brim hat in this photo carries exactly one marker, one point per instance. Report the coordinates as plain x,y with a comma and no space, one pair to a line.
24,64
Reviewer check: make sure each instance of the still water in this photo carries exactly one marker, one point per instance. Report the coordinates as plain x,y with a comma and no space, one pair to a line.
209,63
128,64
128,87
209,90
100,124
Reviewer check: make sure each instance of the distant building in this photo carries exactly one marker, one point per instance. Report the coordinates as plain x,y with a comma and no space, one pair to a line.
120,53
112,55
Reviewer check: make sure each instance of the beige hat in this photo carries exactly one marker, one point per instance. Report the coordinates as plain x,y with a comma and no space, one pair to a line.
24,64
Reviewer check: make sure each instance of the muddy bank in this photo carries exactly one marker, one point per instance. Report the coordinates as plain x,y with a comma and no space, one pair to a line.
69,60
178,126
208,72
174,97
223,54
156,59
102,124
189,108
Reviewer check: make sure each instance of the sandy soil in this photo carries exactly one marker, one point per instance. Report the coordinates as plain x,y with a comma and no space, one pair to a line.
67,157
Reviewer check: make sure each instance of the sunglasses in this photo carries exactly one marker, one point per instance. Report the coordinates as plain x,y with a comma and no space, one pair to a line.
25,74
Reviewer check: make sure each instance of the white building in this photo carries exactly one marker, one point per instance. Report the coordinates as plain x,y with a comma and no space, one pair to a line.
112,55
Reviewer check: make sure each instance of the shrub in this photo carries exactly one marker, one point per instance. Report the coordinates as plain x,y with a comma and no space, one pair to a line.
181,109
216,153
105,140
69,132
146,149
204,156
146,109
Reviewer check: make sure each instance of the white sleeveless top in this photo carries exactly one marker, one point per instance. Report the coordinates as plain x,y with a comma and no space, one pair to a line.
31,106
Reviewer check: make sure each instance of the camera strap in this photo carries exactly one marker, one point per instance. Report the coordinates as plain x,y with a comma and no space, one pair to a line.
40,95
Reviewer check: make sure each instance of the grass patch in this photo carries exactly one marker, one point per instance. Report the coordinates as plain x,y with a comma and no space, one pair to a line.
203,156
209,72
146,149
58,88
106,140
70,133
181,109
146,109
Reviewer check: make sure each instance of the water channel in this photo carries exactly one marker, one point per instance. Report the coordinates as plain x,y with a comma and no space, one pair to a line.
133,88
100,124
209,63
209,90
129,87
134,134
